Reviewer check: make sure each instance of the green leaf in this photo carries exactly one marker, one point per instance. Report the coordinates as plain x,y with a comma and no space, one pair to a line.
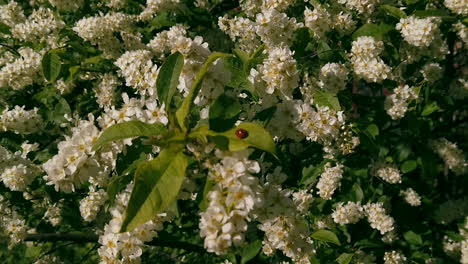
203,205
4,28
242,55
373,130
412,238
431,13
186,106
356,193
326,236
393,11
257,137
345,258
409,166
310,174
430,108
324,98
157,184
373,30
324,52
51,65
168,78
127,130
249,251
223,113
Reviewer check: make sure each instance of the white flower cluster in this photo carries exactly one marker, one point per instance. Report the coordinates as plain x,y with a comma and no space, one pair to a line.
275,28
12,14
363,7
105,90
411,197
53,213
329,180
126,247
231,200
348,214
462,32
281,219
394,257
67,5
154,6
251,7
333,77
22,71
39,26
464,244
91,204
20,121
319,20
451,154
366,61
139,71
16,171
12,223
419,32
457,6
77,163
432,72
241,30
378,218
389,174
279,71
397,103
195,52
99,31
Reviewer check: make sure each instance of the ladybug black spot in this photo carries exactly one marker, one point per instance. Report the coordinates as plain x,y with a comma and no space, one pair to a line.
242,133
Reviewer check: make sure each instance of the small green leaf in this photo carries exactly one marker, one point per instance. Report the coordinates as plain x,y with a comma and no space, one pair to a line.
51,65
378,31
412,238
409,166
326,236
393,11
310,174
223,113
430,108
157,184
4,28
168,78
257,137
345,258
127,130
356,193
249,251
208,186
373,130
186,106
242,55
324,98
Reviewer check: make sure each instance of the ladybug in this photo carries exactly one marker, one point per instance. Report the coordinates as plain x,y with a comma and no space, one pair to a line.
241,133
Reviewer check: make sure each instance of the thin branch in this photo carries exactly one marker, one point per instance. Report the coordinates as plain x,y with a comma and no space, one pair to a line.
93,238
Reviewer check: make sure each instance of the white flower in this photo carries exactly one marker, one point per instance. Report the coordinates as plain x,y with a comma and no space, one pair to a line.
378,218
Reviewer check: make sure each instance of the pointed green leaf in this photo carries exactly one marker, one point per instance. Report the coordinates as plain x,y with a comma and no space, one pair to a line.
324,98
377,31
223,113
127,130
4,28
345,258
257,137
326,236
168,78
157,184
51,65
409,166
413,238
393,11
249,251
186,106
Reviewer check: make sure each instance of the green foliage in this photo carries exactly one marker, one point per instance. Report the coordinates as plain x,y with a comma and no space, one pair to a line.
326,236
168,78
51,65
128,130
157,184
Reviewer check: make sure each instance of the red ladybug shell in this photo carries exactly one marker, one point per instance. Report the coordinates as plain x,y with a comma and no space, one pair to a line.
241,133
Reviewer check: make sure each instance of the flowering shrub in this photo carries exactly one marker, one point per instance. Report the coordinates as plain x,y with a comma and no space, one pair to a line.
251,131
